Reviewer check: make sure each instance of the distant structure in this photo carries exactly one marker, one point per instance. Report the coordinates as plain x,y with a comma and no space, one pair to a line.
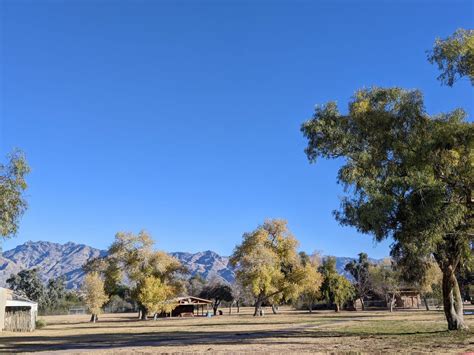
17,314
408,298
190,306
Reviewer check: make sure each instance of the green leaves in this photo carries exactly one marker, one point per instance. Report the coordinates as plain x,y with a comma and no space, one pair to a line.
336,288
267,262
12,187
406,175
454,56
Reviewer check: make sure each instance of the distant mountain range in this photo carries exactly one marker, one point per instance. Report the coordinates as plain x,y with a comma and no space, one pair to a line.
53,260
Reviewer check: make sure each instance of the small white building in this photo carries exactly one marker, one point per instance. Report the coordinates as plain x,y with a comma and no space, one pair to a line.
17,314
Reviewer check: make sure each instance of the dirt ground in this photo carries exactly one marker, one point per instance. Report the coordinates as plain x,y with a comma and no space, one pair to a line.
289,331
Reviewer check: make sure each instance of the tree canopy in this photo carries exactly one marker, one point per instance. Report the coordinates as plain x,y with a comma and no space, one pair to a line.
454,56
267,263
94,294
335,288
29,284
359,269
156,295
385,281
217,292
312,281
407,175
132,257
12,187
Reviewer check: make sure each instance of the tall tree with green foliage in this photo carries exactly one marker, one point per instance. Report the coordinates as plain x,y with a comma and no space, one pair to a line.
359,269
386,281
408,176
454,56
268,265
195,284
335,288
12,188
28,284
217,292
55,292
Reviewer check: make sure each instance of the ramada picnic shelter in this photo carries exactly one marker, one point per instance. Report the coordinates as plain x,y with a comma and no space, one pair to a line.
190,306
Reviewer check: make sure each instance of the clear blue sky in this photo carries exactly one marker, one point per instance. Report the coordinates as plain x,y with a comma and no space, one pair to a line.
182,117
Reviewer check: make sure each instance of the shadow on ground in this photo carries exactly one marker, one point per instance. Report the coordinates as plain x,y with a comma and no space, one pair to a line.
99,341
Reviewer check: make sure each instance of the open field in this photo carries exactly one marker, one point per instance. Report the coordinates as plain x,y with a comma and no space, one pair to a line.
289,331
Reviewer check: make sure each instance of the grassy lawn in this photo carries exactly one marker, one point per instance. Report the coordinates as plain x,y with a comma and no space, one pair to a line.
293,331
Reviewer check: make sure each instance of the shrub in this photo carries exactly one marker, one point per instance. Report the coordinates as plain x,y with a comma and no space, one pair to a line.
40,323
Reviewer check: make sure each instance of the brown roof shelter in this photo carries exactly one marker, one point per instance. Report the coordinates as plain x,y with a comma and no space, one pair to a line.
190,306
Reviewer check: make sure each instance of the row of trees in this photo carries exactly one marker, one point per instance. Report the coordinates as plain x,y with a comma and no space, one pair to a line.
269,271
386,280
269,267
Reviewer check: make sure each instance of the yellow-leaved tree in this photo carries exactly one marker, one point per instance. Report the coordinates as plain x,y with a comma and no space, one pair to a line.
312,281
94,294
268,265
155,295
131,258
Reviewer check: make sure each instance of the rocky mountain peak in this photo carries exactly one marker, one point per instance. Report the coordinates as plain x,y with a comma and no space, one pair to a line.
54,259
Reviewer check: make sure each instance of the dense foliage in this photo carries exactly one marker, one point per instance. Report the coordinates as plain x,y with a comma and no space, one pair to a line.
335,288
217,292
94,294
52,298
454,56
12,187
409,176
132,257
359,269
268,265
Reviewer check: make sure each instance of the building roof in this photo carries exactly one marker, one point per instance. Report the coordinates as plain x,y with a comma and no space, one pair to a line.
192,300
18,303
14,299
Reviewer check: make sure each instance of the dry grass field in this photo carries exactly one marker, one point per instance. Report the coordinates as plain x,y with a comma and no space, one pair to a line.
289,331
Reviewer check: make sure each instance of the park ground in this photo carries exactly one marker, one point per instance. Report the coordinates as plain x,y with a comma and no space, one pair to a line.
289,331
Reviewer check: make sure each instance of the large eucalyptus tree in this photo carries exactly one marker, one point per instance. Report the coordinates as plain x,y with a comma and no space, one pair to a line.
407,176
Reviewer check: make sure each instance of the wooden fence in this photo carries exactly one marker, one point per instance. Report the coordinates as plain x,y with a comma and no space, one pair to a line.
19,321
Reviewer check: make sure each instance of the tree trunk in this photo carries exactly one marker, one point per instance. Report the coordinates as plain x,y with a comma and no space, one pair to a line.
274,309
452,300
155,316
392,303
427,306
362,303
336,307
143,313
310,307
258,308
92,318
238,307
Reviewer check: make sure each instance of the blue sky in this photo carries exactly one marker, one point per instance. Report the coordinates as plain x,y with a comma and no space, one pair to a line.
182,117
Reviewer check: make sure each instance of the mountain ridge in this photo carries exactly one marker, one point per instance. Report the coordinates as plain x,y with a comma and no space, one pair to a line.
55,259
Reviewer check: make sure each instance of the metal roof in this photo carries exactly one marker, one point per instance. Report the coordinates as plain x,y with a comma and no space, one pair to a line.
192,300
